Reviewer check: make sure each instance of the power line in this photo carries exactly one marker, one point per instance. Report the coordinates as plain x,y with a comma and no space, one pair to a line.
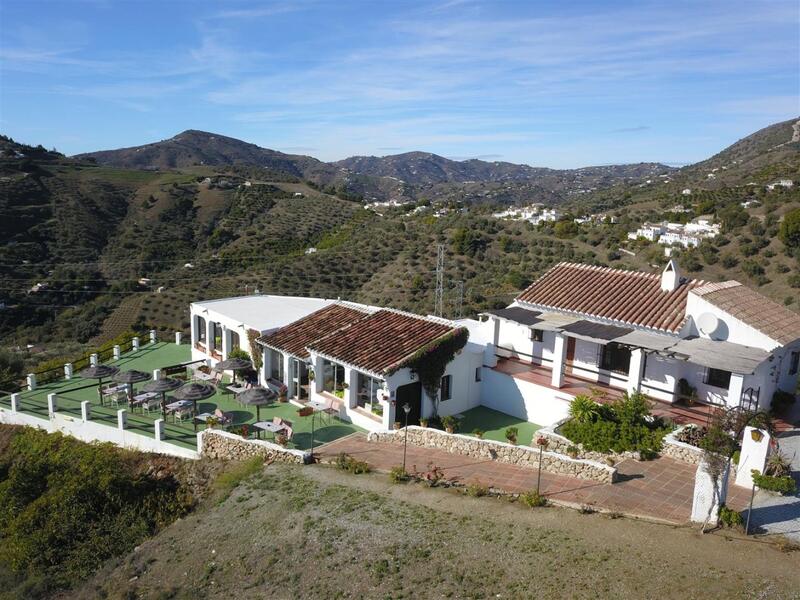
439,300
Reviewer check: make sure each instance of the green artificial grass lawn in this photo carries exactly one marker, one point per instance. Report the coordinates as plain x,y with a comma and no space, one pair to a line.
159,355
494,423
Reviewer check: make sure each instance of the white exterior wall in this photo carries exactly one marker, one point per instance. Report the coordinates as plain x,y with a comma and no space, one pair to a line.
466,392
516,339
730,329
522,399
90,431
661,377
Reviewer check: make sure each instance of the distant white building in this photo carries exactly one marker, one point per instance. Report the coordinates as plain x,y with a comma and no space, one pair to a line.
548,214
687,235
784,183
535,214
686,191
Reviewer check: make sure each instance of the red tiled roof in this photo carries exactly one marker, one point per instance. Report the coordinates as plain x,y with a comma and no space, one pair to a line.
381,341
294,337
629,297
753,309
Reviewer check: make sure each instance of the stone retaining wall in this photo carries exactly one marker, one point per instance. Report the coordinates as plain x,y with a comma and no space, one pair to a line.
228,446
500,451
681,450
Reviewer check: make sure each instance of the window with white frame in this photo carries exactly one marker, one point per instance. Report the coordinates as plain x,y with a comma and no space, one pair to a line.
276,365
537,335
615,358
446,390
477,373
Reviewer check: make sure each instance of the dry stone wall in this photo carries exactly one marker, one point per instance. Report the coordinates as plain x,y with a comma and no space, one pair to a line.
508,453
228,446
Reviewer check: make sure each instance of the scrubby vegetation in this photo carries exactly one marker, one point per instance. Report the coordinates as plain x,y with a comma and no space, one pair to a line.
620,426
66,506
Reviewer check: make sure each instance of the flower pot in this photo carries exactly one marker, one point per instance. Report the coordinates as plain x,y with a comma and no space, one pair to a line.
423,424
757,435
398,425
449,429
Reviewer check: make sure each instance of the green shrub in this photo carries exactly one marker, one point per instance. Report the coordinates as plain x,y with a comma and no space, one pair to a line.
347,463
398,475
619,427
477,490
450,422
533,499
784,484
781,400
511,434
730,518
583,409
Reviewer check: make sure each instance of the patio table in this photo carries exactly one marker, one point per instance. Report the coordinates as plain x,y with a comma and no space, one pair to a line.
203,376
140,399
113,389
269,426
237,389
176,406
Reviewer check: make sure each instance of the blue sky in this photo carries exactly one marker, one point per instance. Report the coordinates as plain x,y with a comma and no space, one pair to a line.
560,84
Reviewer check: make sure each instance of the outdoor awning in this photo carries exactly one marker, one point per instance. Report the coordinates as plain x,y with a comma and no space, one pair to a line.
598,333
554,321
647,340
517,314
715,354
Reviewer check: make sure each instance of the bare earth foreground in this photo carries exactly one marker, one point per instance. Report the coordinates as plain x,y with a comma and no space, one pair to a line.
316,532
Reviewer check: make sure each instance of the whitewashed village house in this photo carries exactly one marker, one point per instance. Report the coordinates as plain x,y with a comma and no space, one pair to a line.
576,328
581,326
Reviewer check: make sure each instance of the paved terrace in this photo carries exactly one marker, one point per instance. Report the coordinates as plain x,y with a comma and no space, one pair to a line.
679,412
71,393
658,489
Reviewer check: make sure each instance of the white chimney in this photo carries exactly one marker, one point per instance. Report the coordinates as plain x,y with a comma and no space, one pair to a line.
670,278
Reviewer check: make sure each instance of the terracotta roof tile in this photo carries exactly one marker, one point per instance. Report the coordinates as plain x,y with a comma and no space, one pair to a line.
755,310
629,297
294,338
379,342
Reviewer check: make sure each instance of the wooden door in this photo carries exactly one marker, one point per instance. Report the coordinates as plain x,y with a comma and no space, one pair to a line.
570,354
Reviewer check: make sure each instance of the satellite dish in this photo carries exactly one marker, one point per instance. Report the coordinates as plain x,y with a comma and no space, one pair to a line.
708,324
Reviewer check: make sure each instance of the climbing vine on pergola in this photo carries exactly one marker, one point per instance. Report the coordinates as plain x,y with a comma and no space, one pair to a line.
430,361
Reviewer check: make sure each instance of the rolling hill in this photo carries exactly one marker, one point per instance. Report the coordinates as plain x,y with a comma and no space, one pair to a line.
89,230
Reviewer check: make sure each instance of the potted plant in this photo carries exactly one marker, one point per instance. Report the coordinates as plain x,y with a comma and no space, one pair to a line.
211,422
398,425
245,431
449,422
478,433
511,434
572,451
423,422
305,411
281,440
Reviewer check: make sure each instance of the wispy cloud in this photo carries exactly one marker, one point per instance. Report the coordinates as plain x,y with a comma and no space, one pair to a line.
631,129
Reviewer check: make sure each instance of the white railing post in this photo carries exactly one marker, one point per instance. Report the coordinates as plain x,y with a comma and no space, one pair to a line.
31,381
117,352
153,338
16,399
159,427
156,374
178,337
93,359
86,411
122,418
68,370
52,404
135,344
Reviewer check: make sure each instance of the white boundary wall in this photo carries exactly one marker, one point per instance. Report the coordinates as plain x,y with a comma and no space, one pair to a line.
522,399
89,431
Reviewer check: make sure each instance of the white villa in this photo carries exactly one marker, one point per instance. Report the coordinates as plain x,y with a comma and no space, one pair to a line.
576,329
534,214
581,326
687,235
